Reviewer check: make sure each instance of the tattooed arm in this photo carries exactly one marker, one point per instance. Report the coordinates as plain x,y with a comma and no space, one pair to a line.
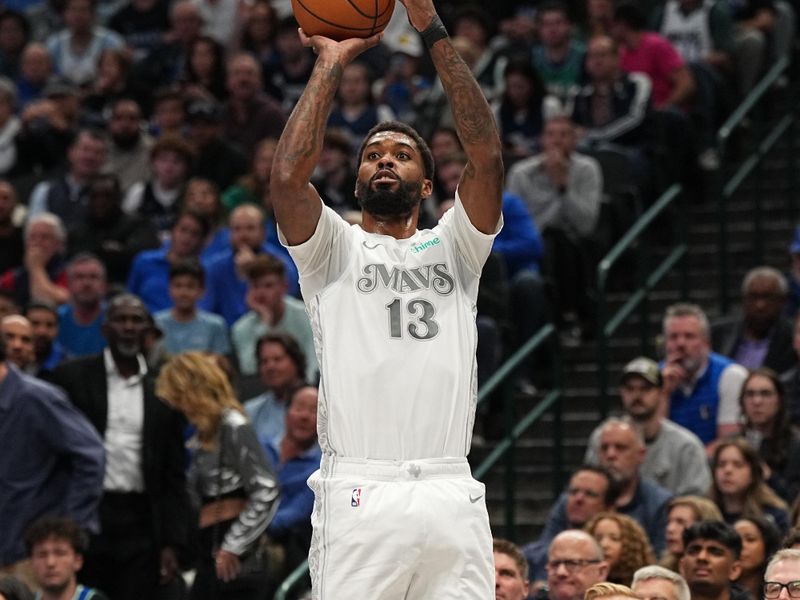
481,182
296,203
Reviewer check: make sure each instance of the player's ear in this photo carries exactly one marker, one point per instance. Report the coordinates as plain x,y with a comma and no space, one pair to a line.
427,188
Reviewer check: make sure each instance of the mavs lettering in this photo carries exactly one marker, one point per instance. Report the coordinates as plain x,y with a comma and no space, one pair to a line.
403,280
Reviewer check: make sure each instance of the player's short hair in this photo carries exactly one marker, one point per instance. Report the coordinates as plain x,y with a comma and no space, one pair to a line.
501,546
189,267
56,527
422,146
717,531
649,572
264,264
289,345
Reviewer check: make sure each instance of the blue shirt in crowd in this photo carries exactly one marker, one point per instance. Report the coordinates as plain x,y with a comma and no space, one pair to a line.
297,499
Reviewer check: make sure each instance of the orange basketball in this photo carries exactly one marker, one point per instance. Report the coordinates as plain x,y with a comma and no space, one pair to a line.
342,19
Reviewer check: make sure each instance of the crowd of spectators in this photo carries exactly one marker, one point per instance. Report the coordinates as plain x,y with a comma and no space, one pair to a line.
136,143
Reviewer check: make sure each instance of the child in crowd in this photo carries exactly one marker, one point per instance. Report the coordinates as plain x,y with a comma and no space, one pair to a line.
184,326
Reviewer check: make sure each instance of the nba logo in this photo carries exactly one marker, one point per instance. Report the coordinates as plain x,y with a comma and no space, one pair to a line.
355,498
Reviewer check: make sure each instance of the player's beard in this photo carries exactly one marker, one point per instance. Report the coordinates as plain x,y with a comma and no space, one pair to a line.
384,202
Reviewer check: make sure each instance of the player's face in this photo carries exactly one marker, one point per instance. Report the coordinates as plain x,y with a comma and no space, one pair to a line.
585,497
54,563
508,581
639,397
391,181
655,589
276,368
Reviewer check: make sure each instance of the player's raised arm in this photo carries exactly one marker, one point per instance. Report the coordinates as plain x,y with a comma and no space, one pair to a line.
296,203
481,183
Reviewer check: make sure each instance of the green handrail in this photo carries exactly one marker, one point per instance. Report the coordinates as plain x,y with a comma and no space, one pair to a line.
606,327
725,189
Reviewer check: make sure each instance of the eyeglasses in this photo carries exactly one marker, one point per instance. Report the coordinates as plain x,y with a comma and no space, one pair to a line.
772,589
570,564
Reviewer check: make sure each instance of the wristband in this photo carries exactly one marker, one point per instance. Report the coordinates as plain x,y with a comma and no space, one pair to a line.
434,32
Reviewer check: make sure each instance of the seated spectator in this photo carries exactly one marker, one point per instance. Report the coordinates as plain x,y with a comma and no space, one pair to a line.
257,34
80,320
186,328
683,512
562,190
622,451
768,429
48,353
599,16
739,488
18,340
791,378
253,188
158,198
149,276
591,490
114,82
110,234
215,159
65,195
675,457
334,177
56,547
142,24
356,111
647,52
281,367
793,277
520,111
12,246
614,106
403,86
295,456
559,56
250,115
612,591
760,336
226,290
130,150
15,33
8,306
510,571
204,78
202,197
574,564
701,388
221,19
169,113
657,583
760,540
754,21
624,543
35,70
42,274
271,309
10,126
711,564
75,50
286,78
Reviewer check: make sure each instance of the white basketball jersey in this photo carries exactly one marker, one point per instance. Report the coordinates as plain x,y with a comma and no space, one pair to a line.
394,329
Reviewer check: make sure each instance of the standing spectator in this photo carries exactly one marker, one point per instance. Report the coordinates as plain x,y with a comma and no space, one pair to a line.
711,564
185,327
281,367
675,458
144,490
79,321
158,198
250,115
48,352
215,158
760,336
129,153
56,547
701,388
227,290
149,276
65,195
562,190
12,246
271,309
622,451
42,275
510,571
44,437
75,50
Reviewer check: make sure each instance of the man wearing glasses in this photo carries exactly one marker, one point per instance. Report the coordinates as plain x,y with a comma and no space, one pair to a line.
574,564
782,578
710,561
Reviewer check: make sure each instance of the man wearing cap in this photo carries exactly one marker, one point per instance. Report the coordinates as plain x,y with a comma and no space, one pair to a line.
675,458
216,159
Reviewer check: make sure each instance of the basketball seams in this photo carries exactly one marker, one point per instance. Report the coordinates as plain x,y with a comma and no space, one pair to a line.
376,22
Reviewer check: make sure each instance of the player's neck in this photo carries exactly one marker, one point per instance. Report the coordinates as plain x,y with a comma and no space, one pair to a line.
399,227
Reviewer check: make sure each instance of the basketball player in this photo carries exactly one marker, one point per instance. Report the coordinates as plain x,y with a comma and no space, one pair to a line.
397,513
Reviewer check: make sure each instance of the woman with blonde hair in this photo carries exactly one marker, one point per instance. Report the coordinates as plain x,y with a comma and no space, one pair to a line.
237,488
625,545
683,512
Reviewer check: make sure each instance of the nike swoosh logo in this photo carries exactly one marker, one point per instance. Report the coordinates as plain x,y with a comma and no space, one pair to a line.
368,247
475,499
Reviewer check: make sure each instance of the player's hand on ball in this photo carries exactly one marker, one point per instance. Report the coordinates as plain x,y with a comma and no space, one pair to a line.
346,50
